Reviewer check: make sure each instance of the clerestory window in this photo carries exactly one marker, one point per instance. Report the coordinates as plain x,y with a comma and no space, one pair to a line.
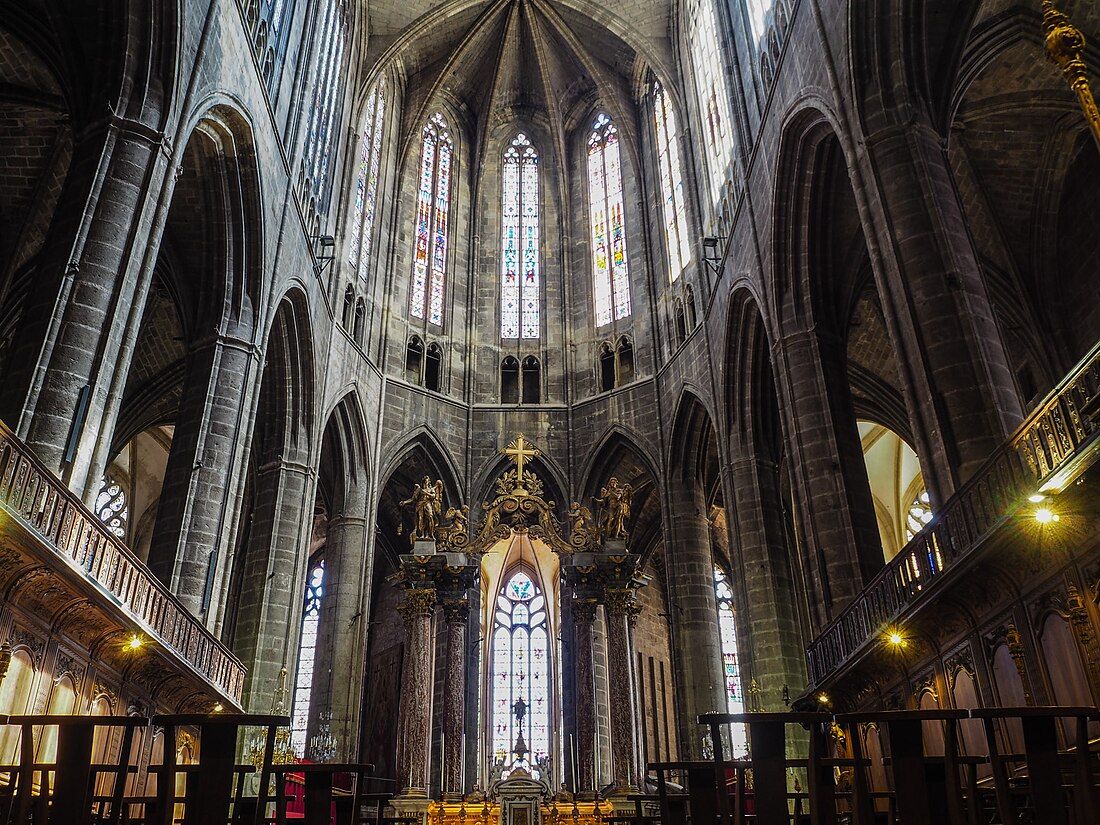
361,232
519,276
611,277
433,206
674,206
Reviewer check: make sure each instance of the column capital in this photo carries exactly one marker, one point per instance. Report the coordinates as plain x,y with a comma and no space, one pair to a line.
622,600
419,601
584,610
456,610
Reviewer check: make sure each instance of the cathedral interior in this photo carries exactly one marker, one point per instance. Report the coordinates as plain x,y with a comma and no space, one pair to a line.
493,388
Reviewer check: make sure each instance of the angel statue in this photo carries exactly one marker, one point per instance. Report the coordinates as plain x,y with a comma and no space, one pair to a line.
427,503
458,522
614,501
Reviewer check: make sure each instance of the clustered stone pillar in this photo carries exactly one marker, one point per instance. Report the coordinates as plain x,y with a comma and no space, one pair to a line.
622,606
416,694
455,612
584,616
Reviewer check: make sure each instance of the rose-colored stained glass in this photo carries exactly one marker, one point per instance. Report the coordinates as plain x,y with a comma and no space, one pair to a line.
611,276
510,243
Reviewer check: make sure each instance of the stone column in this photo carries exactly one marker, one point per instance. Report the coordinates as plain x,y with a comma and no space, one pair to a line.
269,609
415,722
621,607
456,612
197,515
697,647
843,548
584,615
769,590
963,399
70,334
342,630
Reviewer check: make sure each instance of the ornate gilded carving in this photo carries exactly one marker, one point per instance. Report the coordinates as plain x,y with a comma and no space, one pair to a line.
1065,47
621,600
456,611
1016,649
614,509
426,503
419,601
1081,624
521,507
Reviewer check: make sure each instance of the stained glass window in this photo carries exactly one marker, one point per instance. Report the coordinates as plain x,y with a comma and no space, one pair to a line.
672,183
111,506
366,188
324,101
521,670
758,17
433,203
611,287
307,650
920,513
727,629
712,93
519,260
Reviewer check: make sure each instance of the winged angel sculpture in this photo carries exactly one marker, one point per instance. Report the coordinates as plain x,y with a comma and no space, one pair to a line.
426,502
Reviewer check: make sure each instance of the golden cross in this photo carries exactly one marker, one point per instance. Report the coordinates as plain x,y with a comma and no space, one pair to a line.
520,450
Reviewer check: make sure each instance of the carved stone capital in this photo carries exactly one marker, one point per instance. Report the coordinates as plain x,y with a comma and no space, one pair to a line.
456,611
622,601
584,611
419,601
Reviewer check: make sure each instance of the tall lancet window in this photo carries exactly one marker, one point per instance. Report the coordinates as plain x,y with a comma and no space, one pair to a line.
519,259
325,99
672,183
520,670
727,629
361,232
433,206
307,652
712,93
605,198
758,17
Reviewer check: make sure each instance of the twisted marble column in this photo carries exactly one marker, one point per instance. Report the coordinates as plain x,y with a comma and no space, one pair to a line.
416,693
622,607
584,615
455,613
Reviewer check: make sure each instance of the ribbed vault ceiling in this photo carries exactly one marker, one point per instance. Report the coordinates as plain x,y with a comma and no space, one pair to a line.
508,59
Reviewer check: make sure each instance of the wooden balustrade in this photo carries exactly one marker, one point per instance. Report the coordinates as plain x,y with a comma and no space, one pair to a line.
1054,781
57,517
72,790
1056,443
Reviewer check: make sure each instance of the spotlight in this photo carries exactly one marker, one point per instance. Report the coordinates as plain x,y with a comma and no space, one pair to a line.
1036,498
218,708
895,638
134,642
1045,515
823,698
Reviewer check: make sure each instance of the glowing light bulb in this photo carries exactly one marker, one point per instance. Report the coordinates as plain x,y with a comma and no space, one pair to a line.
135,642
1037,498
1045,516
823,698
895,638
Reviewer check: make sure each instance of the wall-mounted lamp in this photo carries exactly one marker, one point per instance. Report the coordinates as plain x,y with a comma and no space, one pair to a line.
324,252
712,253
